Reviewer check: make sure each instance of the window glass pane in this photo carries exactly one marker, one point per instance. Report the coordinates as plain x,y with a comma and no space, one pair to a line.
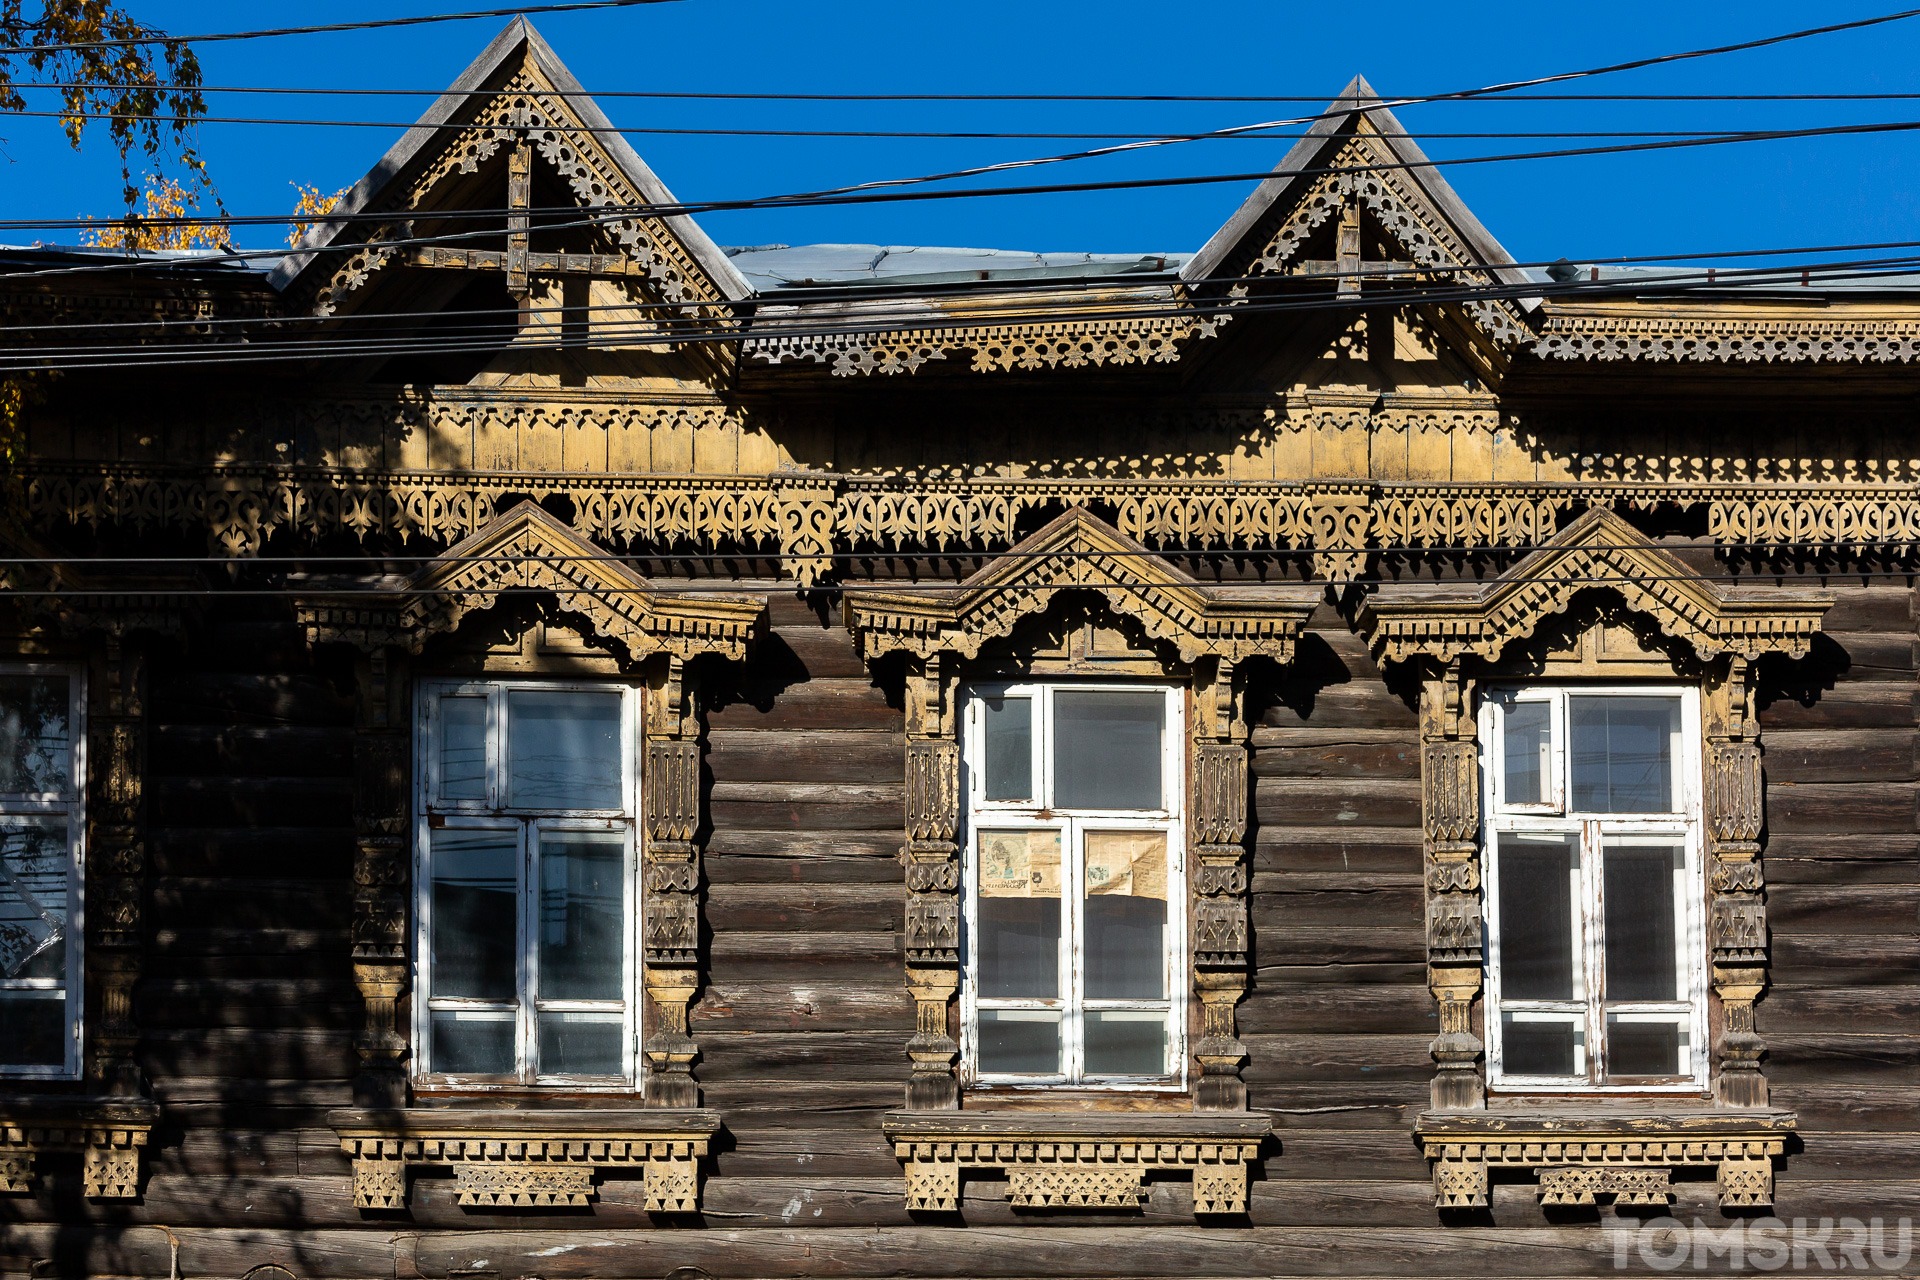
582,915
1126,915
36,745
474,915
1009,748
1126,1042
473,1042
1533,1045
33,1028
1642,963
1536,916
1106,748
1622,753
1639,1047
33,898
1020,1042
463,748
566,750
1018,914
581,1044
1526,735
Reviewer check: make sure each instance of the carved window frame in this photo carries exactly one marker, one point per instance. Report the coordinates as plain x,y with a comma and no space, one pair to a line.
1170,818
1204,634
528,827
1456,641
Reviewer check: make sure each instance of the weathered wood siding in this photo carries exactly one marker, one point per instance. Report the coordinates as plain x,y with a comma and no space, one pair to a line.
249,1008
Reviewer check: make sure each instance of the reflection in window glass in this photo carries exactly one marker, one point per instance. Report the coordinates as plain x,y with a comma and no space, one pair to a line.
1126,914
1126,1042
1622,753
1541,1045
473,1042
1008,723
1537,929
565,748
463,748
475,914
582,918
1107,748
1639,906
574,1043
36,742
1642,1046
1528,731
1020,1042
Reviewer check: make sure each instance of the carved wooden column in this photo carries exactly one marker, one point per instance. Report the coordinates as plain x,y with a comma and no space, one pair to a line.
1450,794
933,880
116,868
670,818
1737,925
1220,882
380,872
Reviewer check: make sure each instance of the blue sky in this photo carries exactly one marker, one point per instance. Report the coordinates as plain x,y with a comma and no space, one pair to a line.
1759,195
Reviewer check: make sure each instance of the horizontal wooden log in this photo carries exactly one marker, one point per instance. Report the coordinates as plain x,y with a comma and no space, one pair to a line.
1862,704
1829,807
1313,802
250,751
828,703
1868,910
1341,848
264,850
260,903
805,755
232,697
313,803
1319,1007
1842,755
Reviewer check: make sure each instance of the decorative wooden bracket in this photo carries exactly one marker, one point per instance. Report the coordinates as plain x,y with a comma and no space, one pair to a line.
107,1133
1213,631
527,1159
1074,1161
1630,1157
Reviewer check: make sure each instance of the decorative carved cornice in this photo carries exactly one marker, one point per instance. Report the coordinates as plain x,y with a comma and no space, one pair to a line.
1743,337
1629,1157
1598,550
1075,1161
528,550
527,1159
1079,551
107,1133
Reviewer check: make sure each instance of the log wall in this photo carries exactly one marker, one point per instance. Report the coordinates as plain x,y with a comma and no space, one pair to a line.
249,1010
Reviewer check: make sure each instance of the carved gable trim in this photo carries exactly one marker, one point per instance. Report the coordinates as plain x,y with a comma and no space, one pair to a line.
1080,551
1598,550
517,90
528,550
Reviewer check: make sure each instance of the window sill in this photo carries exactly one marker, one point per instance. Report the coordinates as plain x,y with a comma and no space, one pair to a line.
538,1158
1579,1151
107,1133
1075,1160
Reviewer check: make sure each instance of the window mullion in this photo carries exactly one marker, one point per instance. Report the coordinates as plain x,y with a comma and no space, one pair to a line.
1072,1029
527,978
1593,909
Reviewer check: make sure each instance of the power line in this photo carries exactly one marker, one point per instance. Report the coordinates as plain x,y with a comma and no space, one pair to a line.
496,342
371,24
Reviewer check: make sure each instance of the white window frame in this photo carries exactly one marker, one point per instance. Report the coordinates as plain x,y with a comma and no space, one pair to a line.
1591,832
1036,814
72,806
493,814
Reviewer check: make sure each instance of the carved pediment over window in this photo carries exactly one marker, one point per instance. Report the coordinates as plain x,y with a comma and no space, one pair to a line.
1598,551
1081,552
528,550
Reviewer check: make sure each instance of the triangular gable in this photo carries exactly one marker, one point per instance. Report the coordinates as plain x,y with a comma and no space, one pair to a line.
1080,551
1599,551
516,87
1358,151
526,549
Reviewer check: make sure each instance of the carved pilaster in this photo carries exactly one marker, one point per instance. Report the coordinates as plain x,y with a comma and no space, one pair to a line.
932,858
670,820
116,865
1220,882
1450,801
1737,920
380,875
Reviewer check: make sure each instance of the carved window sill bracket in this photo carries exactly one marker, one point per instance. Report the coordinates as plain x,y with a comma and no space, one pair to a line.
1076,1161
527,1159
1628,1156
108,1134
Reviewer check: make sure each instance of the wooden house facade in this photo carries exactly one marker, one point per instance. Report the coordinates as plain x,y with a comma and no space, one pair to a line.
527,750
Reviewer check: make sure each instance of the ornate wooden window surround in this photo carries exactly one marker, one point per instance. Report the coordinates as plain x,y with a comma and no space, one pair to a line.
103,633
1542,621
1145,618
535,1154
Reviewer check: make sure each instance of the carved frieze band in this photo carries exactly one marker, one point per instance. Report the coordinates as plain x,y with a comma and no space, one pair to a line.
109,1155
805,519
545,1170
1628,1168
1035,1166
